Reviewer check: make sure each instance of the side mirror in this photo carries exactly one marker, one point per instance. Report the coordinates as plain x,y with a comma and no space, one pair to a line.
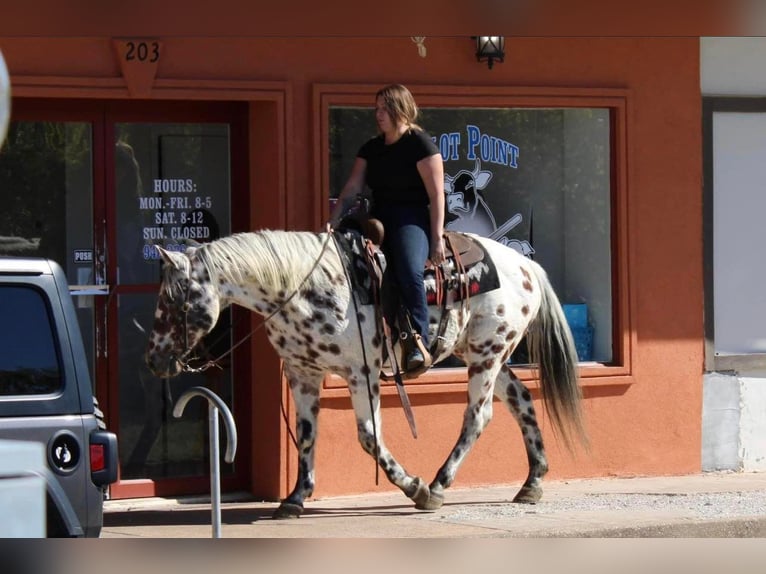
5,99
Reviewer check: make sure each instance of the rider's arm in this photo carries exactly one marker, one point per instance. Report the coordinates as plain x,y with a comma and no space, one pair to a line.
431,170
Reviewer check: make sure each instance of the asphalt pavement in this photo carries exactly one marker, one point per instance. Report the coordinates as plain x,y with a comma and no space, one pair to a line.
709,505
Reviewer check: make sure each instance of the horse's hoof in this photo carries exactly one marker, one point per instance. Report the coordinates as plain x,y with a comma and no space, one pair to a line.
434,502
421,494
288,510
528,495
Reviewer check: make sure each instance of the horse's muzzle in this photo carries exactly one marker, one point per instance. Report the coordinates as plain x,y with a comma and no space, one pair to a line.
164,366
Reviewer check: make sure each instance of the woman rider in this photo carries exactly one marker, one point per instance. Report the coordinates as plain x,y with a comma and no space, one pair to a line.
404,169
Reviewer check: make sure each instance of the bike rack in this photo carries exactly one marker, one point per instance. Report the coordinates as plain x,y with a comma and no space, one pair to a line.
215,404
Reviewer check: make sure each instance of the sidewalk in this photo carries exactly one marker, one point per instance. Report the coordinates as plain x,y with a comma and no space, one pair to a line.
720,505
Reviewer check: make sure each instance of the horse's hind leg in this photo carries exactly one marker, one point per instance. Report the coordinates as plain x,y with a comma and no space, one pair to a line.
305,390
510,390
369,429
482,371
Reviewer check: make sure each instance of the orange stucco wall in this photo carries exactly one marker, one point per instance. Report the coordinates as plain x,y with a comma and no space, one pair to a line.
643,422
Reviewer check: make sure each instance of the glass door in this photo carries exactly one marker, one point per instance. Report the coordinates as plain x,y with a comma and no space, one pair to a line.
171,186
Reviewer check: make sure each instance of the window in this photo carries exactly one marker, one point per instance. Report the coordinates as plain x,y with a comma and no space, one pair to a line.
539,179
735,303
29,363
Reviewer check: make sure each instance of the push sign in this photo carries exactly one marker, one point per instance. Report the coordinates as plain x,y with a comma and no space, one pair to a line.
83,256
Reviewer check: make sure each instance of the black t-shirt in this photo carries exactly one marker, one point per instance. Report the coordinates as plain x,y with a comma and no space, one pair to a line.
392,172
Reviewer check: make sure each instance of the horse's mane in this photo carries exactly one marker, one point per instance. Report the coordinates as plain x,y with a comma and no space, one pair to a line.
273,259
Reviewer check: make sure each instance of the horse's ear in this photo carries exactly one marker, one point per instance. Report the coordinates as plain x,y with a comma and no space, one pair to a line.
171,257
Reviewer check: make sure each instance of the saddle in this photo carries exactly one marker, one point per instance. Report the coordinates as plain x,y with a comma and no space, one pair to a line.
446,284
457,244
467,270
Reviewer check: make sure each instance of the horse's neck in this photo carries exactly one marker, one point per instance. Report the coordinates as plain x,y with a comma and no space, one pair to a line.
248,295
248,290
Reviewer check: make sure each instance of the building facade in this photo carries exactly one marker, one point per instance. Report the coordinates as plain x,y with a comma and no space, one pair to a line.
580,152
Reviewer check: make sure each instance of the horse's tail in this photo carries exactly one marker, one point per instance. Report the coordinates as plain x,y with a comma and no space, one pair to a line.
552,348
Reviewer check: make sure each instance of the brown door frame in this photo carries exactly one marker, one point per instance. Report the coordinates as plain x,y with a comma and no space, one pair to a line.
165,111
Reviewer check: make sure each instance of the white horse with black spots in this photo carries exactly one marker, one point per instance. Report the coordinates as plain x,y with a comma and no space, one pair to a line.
298,281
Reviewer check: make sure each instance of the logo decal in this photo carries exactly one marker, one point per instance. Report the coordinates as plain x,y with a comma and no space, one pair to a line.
466,209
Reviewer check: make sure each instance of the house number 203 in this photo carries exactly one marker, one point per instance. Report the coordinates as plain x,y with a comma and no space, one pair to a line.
142,52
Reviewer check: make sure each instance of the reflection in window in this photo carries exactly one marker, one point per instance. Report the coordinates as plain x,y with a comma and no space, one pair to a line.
535,179
45,177
29,364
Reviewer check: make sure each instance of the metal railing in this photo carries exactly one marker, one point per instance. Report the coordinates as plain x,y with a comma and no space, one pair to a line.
215,405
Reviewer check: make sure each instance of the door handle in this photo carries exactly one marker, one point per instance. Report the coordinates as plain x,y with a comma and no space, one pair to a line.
89,289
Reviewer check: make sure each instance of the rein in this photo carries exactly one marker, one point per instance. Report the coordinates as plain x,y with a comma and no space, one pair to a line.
215,362
187,368
352,293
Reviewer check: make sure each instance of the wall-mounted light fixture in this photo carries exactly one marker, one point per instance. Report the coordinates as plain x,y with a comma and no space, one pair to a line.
490,48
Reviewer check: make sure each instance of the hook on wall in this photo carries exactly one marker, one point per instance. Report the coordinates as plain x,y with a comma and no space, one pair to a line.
420,41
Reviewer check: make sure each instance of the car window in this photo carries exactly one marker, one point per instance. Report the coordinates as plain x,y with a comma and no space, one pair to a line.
29,363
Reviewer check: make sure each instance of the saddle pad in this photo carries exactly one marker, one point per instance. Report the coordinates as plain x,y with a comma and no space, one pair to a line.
480,271
352,244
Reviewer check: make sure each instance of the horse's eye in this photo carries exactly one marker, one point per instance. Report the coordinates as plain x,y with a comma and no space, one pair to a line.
186,306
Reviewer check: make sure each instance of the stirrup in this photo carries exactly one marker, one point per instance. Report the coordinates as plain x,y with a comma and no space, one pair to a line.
417,345
405,372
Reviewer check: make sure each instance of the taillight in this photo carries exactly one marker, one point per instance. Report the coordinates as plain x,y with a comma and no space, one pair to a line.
103,457
97,458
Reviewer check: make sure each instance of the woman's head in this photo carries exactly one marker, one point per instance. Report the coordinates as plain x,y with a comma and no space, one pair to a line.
397,102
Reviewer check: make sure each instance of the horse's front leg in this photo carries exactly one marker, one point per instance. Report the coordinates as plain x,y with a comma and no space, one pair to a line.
305,389
482,370
370,433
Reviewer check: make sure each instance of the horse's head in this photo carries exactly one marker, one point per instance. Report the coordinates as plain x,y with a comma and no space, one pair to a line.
187,309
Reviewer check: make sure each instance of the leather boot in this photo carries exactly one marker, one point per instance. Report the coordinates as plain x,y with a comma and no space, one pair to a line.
418,360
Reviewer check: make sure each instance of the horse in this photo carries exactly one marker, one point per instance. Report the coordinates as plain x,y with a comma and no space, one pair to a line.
318,324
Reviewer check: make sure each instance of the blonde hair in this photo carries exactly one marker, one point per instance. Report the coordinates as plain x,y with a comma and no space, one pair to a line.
400,104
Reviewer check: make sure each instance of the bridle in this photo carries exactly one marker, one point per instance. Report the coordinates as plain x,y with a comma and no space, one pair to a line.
183,340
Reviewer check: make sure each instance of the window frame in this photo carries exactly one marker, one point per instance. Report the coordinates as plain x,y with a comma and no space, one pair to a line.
616,100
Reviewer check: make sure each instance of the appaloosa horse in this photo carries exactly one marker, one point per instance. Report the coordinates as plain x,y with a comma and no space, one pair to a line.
318,324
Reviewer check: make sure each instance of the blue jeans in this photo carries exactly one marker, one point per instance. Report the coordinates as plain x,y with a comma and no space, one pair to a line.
407,247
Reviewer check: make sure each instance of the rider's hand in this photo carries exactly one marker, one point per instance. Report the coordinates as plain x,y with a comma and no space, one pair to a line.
438,252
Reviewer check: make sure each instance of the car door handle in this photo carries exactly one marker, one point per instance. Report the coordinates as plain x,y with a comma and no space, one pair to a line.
89,289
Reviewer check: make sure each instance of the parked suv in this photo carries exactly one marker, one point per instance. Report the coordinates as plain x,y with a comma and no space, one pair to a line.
46,394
